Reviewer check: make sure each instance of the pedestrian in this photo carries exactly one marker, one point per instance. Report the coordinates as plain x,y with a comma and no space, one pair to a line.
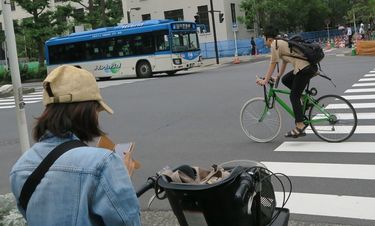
296,80
362,31
253,46
349,34
86,186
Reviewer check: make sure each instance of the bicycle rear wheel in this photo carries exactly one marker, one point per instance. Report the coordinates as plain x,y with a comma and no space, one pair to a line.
258,122
338,118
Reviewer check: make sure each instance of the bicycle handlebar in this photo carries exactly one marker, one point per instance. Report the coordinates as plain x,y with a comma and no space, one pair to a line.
274,83
246,185
147,186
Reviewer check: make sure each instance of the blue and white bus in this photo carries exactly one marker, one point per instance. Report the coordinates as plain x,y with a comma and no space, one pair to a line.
137,49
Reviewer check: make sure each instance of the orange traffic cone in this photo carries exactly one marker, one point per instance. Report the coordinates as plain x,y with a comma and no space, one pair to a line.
236,60
328,45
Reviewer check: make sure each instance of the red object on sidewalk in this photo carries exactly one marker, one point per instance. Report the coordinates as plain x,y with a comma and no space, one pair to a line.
236,60
328,45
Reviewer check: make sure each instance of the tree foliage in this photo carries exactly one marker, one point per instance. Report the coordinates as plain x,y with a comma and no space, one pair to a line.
306,15
43,23
46,22
100,13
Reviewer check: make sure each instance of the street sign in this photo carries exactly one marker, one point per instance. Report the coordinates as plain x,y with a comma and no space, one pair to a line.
234,27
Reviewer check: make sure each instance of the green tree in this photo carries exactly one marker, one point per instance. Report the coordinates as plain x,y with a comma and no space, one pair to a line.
287,15
100,13
43,23
364,11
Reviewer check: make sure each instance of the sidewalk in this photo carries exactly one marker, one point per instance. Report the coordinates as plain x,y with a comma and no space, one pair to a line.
256,58
230,60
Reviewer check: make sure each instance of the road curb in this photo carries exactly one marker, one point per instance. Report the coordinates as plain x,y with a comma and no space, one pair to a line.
226,61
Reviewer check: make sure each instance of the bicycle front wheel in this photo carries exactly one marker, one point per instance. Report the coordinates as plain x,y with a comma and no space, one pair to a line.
334,119
260,123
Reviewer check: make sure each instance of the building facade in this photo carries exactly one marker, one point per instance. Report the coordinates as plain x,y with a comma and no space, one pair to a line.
138,10
187,10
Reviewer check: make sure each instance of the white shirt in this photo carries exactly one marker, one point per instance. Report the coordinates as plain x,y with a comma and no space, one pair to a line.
349,31
361,30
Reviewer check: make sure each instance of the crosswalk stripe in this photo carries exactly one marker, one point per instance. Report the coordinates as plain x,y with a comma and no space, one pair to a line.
25,99
7,107
346,147
26,102
360,90
359,97
356,207
345,116
323,170
372,71
367,79
370,75
363,84
355,105
343,129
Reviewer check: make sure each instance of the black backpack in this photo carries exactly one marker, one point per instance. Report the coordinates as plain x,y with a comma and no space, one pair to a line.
312,51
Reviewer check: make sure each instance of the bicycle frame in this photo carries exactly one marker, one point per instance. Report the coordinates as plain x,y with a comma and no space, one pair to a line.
272,96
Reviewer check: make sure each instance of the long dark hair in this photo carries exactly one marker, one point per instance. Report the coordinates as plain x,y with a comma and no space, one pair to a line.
80,118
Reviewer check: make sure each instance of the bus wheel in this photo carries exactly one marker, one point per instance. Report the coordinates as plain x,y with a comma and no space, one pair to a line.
144,69
170,73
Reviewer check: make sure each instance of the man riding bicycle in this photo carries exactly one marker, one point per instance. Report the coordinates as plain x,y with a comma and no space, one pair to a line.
296,80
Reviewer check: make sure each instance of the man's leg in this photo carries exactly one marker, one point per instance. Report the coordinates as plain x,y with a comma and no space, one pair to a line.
287,79
299,83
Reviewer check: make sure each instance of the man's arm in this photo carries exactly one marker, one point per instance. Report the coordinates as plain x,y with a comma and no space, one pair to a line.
282,69
271,69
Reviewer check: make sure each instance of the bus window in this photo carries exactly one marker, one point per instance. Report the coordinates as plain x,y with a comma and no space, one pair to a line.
184,41
162,41
194,44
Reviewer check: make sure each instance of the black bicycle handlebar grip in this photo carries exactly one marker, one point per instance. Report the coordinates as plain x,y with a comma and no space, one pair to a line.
246,184
147,186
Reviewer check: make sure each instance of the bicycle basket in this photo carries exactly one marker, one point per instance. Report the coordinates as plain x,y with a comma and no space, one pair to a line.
215,204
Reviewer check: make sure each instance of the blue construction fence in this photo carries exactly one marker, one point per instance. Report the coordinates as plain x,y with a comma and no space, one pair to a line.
227,48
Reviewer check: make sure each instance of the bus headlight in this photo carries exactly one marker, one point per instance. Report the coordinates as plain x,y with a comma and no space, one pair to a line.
177,61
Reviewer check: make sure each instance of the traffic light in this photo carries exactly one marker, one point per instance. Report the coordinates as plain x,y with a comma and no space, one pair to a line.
221,17
197,19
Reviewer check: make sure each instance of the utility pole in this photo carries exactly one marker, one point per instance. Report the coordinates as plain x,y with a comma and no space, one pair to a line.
214,28
10,40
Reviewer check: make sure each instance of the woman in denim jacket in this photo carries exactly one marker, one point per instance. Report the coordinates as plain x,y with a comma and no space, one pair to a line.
86,185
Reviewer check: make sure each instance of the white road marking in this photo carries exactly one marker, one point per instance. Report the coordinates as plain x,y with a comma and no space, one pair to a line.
360,90
357,207
343,129
363,84
105,84
323,170
7,107
346,116
25,99
370,75
355,105
345,147
359,97
367,79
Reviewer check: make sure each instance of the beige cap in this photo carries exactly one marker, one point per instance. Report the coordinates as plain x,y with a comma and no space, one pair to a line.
68,84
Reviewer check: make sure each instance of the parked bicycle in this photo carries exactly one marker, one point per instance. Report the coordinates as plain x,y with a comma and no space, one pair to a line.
331,117
245,197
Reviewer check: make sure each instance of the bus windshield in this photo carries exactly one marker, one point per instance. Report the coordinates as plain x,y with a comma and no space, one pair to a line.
184,41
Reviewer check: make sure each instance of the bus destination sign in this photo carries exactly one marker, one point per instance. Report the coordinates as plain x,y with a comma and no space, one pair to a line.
183,26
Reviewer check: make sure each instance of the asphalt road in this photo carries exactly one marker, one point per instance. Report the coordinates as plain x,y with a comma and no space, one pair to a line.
193,118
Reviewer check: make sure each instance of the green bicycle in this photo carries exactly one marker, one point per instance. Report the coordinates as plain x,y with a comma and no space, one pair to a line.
331,117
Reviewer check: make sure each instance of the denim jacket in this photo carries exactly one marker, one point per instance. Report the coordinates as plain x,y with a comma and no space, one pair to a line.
86,186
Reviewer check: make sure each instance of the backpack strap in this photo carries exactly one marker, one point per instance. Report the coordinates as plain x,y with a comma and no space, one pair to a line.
37,175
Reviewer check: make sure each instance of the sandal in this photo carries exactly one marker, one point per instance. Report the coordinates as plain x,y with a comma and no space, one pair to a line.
296,132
